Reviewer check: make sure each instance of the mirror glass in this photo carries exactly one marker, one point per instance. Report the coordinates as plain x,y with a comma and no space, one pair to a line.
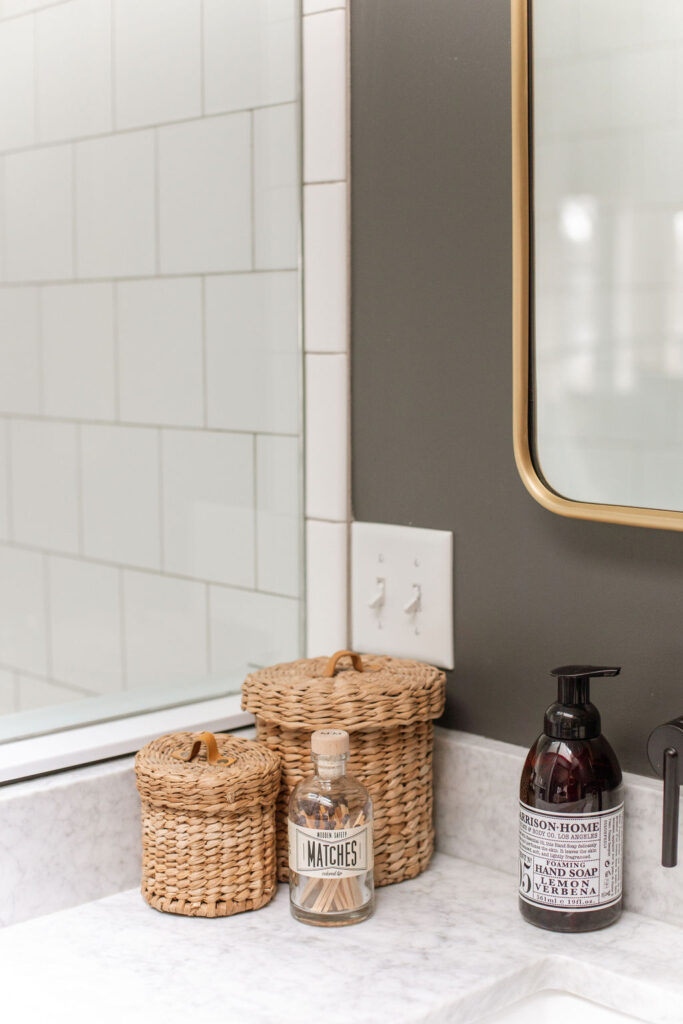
151,410
607,245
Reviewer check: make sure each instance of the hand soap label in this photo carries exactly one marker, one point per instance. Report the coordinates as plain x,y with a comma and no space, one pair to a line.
570,861
337,853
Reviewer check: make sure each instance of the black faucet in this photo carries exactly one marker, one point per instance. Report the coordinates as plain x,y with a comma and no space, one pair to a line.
665,750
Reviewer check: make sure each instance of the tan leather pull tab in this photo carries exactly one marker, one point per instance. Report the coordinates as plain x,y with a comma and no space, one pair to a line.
331,666
213,755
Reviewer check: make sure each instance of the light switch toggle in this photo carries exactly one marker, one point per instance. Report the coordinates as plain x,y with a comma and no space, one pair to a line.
379,597
402,592
415,604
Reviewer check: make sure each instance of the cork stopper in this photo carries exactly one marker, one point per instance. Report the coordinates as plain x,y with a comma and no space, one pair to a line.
330,742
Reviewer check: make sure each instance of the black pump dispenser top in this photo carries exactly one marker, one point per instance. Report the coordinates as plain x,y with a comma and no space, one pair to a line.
573,717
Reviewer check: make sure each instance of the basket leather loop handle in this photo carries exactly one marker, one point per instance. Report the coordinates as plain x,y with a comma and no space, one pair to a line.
212,754
331,666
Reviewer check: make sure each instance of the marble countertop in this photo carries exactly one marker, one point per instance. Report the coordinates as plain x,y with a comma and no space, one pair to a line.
448,946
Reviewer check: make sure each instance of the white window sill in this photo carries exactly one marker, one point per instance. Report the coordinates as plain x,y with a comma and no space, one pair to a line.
25,758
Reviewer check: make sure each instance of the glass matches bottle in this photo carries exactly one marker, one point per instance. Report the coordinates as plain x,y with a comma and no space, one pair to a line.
330,839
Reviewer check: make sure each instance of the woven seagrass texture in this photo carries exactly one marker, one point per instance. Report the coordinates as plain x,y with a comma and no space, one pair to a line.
387,709
208,830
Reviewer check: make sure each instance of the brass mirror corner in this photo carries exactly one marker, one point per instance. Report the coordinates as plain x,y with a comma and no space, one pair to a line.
579,363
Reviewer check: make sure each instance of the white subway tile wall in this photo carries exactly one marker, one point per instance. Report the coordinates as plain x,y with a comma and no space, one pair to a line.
276,185
151,530
160,324
249,53
204,226
8,692
116,205
77,331
85,624
17,84
208,505
158,67
165,630
120,494
44,491
20,379
73,69
4,481
38,213
261,627
23,626
278,516
252,317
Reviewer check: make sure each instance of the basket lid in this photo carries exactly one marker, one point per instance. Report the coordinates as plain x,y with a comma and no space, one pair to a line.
373,691
200,771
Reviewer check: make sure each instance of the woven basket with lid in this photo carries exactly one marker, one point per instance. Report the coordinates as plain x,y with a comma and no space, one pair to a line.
387,705
208,823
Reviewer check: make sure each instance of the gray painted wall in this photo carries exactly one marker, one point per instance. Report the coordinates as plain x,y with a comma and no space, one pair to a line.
432,409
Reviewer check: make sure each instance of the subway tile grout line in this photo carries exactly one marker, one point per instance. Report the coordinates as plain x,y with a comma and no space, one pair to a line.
332,522
122,630
205,368
9,480
252,190
127,567
74,213
160,497
79,489
36,84
202,60
72,140
207,613
33,12
48,616
30,674
327,10
32,417
326,352
112,60
124,278
312,183
3,219
40,333
116,350
255,500
157,206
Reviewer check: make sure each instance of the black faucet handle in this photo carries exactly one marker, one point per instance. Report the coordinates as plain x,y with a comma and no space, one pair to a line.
665,750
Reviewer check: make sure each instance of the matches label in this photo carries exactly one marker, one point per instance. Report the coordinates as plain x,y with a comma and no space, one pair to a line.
338,853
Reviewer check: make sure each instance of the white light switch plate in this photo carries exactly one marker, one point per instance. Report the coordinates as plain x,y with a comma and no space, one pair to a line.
394,568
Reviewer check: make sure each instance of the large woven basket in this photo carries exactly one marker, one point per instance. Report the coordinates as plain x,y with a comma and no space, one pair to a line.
208,824
387,706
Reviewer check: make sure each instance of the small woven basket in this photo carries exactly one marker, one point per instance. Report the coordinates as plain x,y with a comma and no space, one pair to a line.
387,706
208,824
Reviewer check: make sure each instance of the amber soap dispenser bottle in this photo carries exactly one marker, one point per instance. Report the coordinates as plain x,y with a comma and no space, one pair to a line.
571,815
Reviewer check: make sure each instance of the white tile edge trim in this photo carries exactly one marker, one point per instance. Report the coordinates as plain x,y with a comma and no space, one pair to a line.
326,576
326,632
476,793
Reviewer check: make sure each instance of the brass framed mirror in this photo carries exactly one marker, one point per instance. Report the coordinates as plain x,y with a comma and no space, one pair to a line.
597,176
